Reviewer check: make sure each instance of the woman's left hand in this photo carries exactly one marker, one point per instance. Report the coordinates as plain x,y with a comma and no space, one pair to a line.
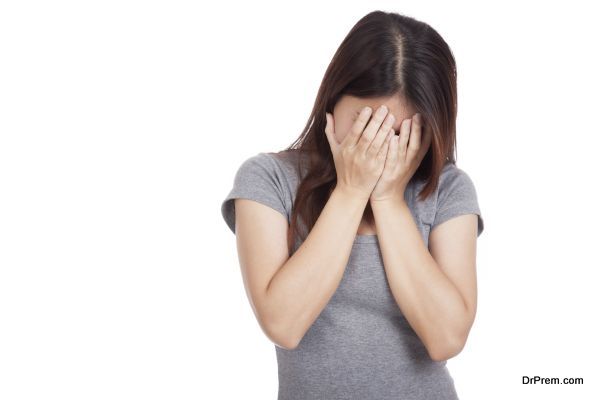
405,153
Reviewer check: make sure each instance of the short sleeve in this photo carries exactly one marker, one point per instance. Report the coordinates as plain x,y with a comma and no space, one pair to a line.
258,178
456,196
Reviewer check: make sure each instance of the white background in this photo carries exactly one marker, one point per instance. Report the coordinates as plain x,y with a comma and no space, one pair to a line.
122,124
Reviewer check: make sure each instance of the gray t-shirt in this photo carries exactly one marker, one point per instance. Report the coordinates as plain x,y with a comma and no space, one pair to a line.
361,346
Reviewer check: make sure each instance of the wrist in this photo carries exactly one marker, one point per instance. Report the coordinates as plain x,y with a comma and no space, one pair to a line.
352,193
384,201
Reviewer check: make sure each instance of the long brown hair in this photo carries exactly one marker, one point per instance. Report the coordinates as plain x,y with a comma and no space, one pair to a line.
384,54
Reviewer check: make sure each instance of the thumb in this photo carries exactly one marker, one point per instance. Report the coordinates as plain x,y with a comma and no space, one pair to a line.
329,132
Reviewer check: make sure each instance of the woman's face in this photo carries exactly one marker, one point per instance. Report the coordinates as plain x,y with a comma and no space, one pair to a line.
348,107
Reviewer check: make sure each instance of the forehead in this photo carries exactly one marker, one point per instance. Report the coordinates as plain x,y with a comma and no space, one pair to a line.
396,104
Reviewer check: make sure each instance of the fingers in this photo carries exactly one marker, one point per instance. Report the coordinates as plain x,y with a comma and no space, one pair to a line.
387,147
420,139
373,128
330,133
356,131
392,156
404,136
382,134
414,143
415,139
427,137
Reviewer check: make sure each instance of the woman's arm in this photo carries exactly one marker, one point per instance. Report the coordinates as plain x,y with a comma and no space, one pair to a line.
438,298
290,296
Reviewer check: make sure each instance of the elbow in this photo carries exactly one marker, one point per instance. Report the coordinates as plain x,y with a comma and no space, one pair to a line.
281,337
445,350
286,342
278,330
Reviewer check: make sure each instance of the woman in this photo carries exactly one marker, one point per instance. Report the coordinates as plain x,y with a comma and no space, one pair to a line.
357,245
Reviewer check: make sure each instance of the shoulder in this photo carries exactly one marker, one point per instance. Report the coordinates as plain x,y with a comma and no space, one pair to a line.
260,166
284,158
289,165
451,171
258,161
454,179
261,178
275,171
456,195
271,159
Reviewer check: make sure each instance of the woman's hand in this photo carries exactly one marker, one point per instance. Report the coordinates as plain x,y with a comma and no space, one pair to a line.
360,157
405,153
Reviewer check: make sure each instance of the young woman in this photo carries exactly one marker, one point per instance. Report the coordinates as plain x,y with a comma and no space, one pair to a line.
357,243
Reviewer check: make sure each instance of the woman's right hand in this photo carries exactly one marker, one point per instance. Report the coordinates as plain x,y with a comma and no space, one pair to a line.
360,157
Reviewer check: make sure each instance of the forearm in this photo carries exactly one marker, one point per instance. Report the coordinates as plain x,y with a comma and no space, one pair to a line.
303,286
428,299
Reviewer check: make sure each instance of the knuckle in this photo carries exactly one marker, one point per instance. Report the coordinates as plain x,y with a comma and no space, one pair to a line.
390,120
364,140
363,118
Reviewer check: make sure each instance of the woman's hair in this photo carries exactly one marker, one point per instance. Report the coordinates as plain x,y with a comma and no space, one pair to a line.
385,54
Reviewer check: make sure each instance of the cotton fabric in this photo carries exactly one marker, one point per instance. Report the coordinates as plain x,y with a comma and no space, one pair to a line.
361,346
